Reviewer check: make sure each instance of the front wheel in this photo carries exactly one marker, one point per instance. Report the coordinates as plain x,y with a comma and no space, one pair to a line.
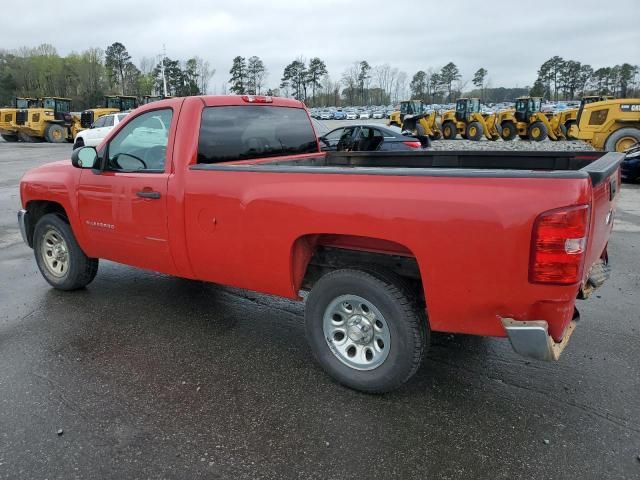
475,131
449,131
365,329
59,257
508,130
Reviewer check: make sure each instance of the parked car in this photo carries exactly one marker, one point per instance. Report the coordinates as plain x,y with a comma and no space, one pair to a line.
378,114
235,191
326,115
370,137
630,167
352,115
364,115
339,115
98,131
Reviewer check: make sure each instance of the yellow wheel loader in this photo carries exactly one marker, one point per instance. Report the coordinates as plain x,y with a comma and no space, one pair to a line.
112,104
8,127
468,121
526,121
414,117
51,121
610,125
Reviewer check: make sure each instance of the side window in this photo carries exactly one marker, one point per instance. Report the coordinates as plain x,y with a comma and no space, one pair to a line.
108,121
334,136
142,144
99,123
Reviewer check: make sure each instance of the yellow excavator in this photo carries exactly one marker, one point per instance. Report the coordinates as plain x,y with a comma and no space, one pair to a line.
414,117
8,127
51,121
469,121
612,125
527,121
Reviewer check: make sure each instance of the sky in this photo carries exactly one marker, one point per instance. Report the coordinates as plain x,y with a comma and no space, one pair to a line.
510,39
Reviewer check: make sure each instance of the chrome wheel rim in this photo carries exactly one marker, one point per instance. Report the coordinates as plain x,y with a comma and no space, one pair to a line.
356,332
55,253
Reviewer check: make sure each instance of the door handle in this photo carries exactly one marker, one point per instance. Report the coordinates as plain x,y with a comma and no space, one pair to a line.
148,194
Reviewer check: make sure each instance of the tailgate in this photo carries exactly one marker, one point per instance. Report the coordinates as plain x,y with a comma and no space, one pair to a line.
605,181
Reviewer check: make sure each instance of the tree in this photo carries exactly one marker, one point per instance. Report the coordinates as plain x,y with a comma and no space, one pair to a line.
315,73
570,78
418,85
204,72
238,73
363,80
116,60
478,80
448,75
256,73
585,74
549,74
295,75
350,81
627,74
538,88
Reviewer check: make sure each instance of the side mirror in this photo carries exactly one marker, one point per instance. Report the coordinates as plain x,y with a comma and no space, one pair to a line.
84,157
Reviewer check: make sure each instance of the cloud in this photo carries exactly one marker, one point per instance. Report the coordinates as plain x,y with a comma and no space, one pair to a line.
509,39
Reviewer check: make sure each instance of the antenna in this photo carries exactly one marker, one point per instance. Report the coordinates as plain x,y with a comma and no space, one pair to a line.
164,78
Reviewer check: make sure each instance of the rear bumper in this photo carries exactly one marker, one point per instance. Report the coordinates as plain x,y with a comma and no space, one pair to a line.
531,338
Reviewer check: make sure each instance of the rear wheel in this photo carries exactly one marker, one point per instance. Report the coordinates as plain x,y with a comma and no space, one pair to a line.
474,131
622,139
9,138
365,329
54,133
508,131
59,257
449,131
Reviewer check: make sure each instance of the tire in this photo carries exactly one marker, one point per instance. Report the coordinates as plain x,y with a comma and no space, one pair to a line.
474,131
622,139
396,348
54,133
508,130
449,131
74,269
79,143
567,127
537,131
9,138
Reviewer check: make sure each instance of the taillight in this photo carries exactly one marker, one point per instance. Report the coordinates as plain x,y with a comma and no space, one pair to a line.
415,144
257,99
558,246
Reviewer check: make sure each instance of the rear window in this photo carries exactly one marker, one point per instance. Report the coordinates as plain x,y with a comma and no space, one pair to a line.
246,132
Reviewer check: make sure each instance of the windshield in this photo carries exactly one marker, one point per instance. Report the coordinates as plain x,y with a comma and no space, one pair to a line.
128,103
113,102
22,103
49,103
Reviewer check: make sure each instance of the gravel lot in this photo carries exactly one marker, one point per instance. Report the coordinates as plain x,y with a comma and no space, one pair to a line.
150,377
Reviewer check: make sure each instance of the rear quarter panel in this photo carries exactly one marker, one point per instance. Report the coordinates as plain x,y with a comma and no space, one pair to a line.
470,235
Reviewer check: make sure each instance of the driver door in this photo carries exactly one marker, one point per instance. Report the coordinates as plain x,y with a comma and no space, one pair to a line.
123,208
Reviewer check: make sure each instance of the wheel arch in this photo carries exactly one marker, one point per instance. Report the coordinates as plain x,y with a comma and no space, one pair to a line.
314,255
39,208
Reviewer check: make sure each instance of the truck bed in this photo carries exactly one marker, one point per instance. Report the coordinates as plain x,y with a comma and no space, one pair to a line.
596,165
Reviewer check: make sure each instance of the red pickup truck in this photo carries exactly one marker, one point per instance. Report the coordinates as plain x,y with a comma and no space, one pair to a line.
389,245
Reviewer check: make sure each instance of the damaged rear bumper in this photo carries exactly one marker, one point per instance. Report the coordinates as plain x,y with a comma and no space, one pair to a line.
531,338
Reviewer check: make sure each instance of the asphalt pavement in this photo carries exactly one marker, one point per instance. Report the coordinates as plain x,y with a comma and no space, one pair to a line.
146,376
